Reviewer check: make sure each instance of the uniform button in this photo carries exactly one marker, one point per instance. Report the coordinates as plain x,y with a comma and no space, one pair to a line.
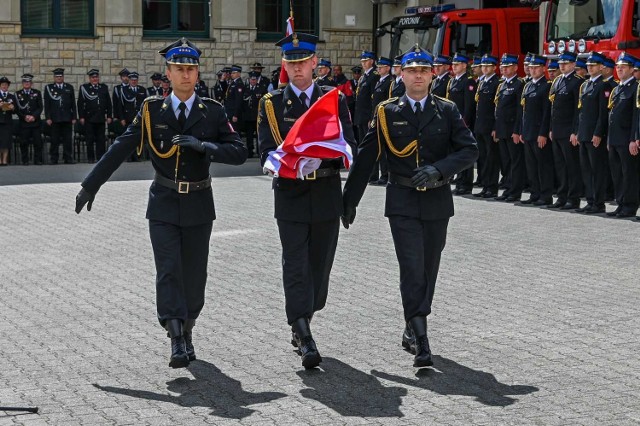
183,164
184,177
420,134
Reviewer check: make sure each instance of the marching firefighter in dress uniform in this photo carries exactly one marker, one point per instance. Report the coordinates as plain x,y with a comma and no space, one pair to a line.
307,210
185,134
427,142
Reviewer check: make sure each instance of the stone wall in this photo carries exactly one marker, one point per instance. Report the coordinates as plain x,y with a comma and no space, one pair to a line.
116,47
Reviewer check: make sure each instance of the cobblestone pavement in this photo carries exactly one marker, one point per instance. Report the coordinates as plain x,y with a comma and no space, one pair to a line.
535,319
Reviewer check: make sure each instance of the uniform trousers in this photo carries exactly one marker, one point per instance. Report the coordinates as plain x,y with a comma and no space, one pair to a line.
61,133
593,163
418,245
505,162
250,131
481,140
181,255
308,250
94,135
539,163
31,134
624,171
566,159
380,168
517,168
490,163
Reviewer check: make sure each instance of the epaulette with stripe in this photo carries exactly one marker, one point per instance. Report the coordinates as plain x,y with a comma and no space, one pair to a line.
153,98
205,99
444,99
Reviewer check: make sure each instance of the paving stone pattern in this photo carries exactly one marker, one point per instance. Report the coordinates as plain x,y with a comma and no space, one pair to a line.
535,319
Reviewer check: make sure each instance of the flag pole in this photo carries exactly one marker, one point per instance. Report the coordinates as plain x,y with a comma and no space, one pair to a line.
284,77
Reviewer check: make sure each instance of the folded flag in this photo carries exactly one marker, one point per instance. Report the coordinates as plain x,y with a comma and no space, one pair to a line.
315,136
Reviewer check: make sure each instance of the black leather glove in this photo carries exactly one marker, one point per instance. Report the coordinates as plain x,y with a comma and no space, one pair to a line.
83,198
189,142
348,216
425,174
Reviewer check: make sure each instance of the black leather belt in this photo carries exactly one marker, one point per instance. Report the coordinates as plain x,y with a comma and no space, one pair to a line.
183,187
405,181
322,173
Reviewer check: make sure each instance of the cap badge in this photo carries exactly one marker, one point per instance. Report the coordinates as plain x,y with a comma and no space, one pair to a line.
295,41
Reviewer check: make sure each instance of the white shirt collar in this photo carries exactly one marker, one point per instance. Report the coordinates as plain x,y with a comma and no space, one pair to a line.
626,81
422,101
595,78
297,91
175,103
506,80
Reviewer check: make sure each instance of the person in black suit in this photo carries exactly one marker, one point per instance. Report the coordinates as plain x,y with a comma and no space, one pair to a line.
307,210
591,130
29,108
441,70
507,101
381,94
94,110
623,122
60,114
461,90
533,130
364,91
252,94
7,109
234,96
201,88
185,134
427,130
397,85
484,125
564,94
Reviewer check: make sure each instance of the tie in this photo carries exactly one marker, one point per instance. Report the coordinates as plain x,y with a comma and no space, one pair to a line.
303,99
59,86
182,117
418,109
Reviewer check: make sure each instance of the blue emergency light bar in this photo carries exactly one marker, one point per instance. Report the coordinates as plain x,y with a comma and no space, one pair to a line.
421,10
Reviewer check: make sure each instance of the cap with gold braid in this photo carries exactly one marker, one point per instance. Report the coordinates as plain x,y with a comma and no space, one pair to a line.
181,52
298,47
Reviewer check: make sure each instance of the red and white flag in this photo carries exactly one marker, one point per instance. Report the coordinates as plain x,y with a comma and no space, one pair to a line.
284,77
315,136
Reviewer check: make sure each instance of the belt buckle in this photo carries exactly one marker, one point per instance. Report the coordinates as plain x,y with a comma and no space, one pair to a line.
183,187
421,188
311,176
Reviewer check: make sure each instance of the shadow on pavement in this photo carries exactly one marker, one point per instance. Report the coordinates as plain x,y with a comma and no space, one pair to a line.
452,378
351,392
209,388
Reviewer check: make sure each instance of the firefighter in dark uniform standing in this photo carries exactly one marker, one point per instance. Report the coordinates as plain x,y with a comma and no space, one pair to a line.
94,109
29,108
364,91
484,125
133,96
201,88
441,70
324,74
461,90
563,94
381,94
116,101
252,94
511,149
185,134
356,73
308,210
234,96
426,142
155,88
7,109
591,131
533,130
623,121
60,113
397,85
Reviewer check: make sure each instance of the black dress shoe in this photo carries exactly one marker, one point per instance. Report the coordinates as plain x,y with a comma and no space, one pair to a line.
542,202
307,346
513,198
625,213
463,191
480,194
558,204
54,162
408,339
529,201
188,341
382,182
583,209
595,210
615,212
69,161
501,198
421,346
489,194
571,205
179,357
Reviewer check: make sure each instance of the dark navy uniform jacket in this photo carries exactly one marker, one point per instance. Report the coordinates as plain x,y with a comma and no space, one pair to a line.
364,92
327,80
132,100
154,91
381,91
507,101
622,106
6,116
439,85
593,116
443,140
207,122
397,88
462,91
59,104
564,93
305,201
30,104
94,103
233,99
486,107
535,110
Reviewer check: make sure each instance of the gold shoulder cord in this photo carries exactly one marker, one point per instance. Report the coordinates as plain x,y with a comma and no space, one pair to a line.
382,123
448,86
523,100
146,126
496,97
552,90
273,122
638,97
613,92
580,95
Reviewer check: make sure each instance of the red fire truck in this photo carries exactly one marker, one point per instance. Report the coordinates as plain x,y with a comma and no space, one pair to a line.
444,30
581,26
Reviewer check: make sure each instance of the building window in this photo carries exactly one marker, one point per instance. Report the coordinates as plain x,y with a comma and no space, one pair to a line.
271,17
57,17
176,18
